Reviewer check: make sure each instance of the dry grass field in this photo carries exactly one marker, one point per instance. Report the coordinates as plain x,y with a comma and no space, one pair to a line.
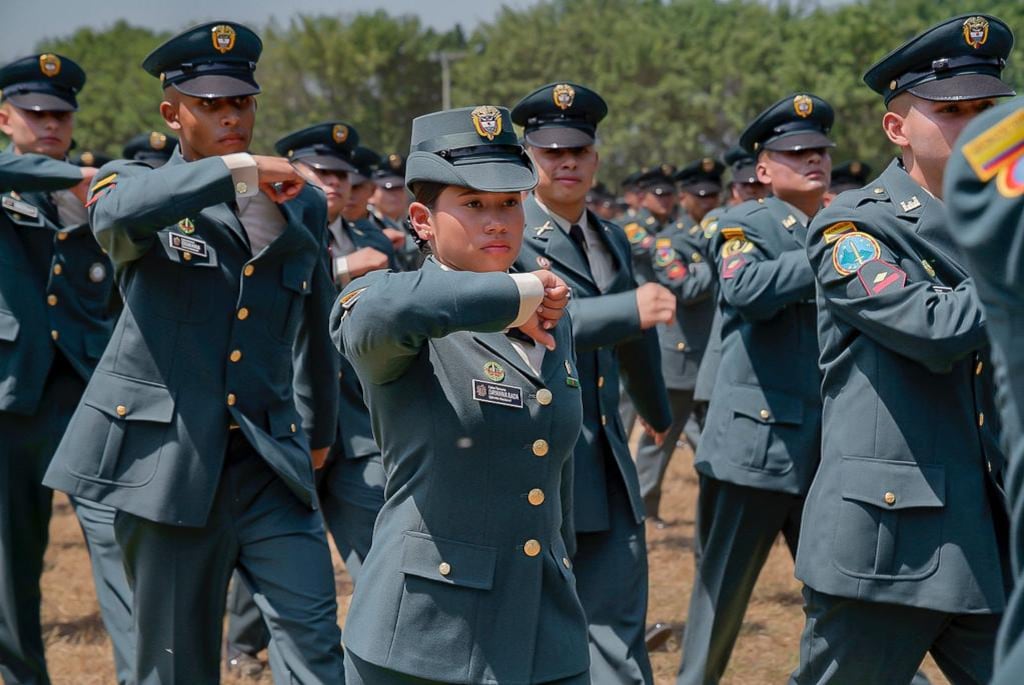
79,651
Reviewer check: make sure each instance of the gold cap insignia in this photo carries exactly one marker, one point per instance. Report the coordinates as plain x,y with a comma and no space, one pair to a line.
487,121
223,38
339,133
395,161
803,106
157,140
88,158
49,64
855,168
563,95
976,31
707,164
667,169
893,84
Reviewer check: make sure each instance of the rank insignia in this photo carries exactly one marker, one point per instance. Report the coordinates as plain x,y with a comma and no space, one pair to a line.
734,233
186,226
803,106
999,153
911,204
97,272
833,232
676,272
928,268
789,221
975,31
339,134
543,228
852,251
223,38
563,95
568,367
732,265
877,276
543,262
49,64
494,371
664,256
157,140
736,246
487,121
349,299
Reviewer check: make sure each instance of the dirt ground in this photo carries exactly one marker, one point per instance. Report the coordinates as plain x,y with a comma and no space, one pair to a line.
79,651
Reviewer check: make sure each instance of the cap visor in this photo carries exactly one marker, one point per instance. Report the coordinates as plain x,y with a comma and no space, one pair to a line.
41,102
389,182
803,140
963,87
659,189
745,174
559,136
494,176
218,86
701,188
326,163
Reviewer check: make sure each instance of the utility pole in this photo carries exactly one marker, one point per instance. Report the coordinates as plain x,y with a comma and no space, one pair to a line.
446,57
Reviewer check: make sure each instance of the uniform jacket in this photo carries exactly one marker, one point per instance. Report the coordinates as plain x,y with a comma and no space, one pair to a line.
606,326
764,420
641,231
206,340
55,282
712,357
902,509
473,487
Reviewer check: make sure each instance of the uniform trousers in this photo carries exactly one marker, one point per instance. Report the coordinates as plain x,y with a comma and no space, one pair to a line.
359,672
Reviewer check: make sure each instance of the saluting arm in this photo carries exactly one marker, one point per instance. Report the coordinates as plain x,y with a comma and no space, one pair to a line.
36,173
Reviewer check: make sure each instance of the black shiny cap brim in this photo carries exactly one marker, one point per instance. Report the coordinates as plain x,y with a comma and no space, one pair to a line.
962,87
218,86
804,140
554,137
42,102
326,163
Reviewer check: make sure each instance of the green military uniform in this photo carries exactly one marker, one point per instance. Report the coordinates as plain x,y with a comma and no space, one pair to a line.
56,291
390,177
153,148
628,185
471,573
903,550
984,199
759,448
611,551
642,229
189,426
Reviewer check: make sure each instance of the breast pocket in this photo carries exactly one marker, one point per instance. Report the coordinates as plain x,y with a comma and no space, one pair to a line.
889,524
290,301
756,413
176,284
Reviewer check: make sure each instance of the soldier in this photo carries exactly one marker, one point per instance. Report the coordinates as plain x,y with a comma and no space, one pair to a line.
658,210
389,207
153,148
189,426
983,190
743,184
613,323
632,197
903,547
760,446
56,288
602,202
849,175
700,185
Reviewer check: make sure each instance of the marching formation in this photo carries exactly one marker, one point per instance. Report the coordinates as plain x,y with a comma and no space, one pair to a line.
223,357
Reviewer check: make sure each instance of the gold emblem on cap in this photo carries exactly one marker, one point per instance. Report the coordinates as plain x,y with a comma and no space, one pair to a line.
88,158
49,64
803,106
707,164
976,31
855,168
223,38
667,169
157,140
563,95
395,161
487,121
339,133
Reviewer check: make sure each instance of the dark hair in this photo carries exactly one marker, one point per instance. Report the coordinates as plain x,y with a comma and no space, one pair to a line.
426,193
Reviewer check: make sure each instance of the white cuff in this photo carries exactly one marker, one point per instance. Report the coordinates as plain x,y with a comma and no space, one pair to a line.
531,292
244,173
341,273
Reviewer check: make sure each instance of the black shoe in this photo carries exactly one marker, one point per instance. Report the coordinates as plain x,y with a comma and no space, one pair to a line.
657,635
245,665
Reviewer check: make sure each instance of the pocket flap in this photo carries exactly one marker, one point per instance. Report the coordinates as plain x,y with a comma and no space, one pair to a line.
283,421
296,275
9,326
131,399
447,561
893,484
766,406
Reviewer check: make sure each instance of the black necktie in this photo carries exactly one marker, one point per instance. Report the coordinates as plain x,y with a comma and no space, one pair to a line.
517,334
576,235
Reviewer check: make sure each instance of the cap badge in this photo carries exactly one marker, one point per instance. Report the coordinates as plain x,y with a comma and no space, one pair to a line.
395,161
707,164
223,38
49,64
88,158
855,168
339,133
563,95
487,121
803,106
976,31
157,140
667,169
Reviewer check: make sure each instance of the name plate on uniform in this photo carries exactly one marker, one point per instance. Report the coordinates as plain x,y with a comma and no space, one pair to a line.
23,208
497,393
183,243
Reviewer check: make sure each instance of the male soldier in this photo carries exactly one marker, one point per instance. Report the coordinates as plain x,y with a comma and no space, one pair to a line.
153,148
700,185
56,287
602,202
389,206
759,449
613,322
984,191
848,176
632,197
657,211
190,426
903,547
743,184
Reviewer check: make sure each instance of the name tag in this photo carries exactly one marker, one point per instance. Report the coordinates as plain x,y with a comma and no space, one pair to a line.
182,243
23,208
497,393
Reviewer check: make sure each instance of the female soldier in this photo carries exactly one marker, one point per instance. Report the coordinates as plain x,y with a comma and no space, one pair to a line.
475,402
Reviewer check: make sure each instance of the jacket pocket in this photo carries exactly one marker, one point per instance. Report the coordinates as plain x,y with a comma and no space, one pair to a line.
296,281
448,561
889,523
756,412
9,326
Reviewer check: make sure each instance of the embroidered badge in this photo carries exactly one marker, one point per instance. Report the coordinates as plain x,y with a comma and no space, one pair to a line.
736,246
733,233
563,95
223,38
49,64
494,371
663,242
803,106
664,256
854,250
877,276
833,232
496,393
975,31
732,265
635,233
487,121
999,153
676,272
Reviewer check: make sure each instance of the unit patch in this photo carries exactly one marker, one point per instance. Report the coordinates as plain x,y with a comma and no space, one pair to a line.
854,250
999,153
833,232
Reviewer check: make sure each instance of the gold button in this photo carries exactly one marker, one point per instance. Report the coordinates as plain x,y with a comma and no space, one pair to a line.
51,300
536,497
243,314
121,410
235,355
249,268
241,187
544,397
604,420
340,375
765,413
62,236
54,334
540,447
981,419
531,548
989,466
305,285
293,428
890,498
57,269
444,568
600,381
187,256
681,346
566,563
232,399
978,368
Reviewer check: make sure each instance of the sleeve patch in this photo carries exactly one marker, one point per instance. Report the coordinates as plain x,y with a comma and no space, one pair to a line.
635,233
833,232
664,256
733,233
877,276
663,242
853,251
732,265
676,272
995,148
736,246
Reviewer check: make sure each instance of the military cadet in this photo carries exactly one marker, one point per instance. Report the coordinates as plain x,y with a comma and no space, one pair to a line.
389,208
190,426
614,324
632,197
658,210
470,569
849,175
903,546
700,186
760,445
743,183
984,192
56,286
601,202
153,148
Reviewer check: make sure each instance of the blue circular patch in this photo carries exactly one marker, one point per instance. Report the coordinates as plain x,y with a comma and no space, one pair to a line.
854,250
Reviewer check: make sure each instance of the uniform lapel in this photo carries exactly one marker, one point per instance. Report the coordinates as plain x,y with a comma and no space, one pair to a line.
550,240
499,344
617,249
